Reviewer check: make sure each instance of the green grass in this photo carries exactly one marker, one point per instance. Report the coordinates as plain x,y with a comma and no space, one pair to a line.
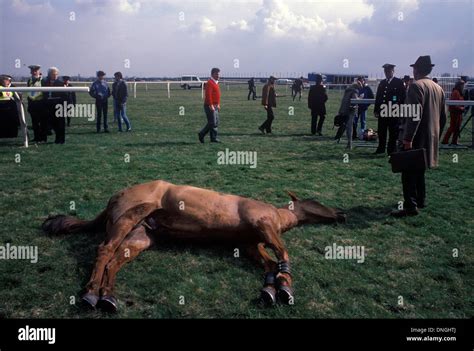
411,258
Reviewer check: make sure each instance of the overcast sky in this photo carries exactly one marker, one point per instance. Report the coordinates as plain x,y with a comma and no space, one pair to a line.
284,37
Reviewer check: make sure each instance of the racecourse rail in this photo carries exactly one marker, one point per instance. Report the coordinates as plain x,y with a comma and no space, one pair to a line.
168,83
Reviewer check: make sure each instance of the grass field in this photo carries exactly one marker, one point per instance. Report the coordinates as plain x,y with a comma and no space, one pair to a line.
410,258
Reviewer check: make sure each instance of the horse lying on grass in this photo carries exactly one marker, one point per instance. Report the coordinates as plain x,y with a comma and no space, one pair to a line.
136,216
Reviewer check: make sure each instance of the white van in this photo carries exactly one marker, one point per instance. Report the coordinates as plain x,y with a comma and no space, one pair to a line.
190,81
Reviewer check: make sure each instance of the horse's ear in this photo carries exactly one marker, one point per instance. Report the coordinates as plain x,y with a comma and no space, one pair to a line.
292,196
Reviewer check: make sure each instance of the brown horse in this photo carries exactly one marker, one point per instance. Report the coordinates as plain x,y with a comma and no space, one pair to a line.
135,216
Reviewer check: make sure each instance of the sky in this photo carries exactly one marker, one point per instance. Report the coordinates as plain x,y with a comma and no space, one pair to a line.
244,38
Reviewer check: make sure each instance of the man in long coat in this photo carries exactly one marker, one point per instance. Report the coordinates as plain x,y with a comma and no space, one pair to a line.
423,132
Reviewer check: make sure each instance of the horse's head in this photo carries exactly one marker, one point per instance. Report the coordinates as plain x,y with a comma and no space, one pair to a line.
310,211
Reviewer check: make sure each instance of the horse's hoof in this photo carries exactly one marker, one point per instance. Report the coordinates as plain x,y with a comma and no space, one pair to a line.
285,295
89,300
268,296
108,303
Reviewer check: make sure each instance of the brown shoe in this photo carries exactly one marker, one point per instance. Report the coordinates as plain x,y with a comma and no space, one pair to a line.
404,213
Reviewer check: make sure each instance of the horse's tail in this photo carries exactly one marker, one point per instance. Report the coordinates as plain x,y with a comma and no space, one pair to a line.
62,224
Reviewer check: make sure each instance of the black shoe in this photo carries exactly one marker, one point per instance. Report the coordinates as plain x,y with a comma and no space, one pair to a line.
201,138
106,131
261,130
215,141
378,151
320,134
405,213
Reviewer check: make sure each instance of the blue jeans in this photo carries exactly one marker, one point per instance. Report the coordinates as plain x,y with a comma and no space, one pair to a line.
362,116
121,113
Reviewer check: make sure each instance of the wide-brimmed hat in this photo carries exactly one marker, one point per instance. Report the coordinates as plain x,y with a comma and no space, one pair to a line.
423,61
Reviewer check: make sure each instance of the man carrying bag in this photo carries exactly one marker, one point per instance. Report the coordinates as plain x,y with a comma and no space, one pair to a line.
419,137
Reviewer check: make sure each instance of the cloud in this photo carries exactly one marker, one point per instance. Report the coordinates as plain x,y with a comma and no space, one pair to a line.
241,25
304,21
123,6
23,7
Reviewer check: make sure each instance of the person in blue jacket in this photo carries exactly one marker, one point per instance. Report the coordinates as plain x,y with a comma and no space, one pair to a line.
100,91
365,92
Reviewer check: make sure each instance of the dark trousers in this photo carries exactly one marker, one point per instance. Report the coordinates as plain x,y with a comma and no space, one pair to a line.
414,191
267,125
101,107
389,124
35,110
252,93
43,124
294,93
59,126
212,123
9,118
315,126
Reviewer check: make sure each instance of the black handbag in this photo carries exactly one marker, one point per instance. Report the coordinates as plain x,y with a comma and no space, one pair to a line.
409,160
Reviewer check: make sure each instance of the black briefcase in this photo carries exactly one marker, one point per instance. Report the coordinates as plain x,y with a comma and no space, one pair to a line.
410,160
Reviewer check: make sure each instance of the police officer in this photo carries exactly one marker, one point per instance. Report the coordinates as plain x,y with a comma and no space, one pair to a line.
10,120
35,101
391,89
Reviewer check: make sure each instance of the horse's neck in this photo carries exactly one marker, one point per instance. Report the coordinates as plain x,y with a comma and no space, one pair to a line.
288,219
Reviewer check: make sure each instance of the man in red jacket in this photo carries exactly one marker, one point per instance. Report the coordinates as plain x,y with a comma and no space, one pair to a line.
212,107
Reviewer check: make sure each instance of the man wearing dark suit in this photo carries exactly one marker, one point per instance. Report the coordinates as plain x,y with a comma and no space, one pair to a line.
252,89
51,101
317,98
269,103
389,89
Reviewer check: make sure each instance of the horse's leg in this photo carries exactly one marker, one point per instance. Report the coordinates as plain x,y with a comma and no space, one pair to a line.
272,239
260,255
116,233
137,241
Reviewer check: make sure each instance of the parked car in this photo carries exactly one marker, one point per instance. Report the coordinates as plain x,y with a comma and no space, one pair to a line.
191,81
284,81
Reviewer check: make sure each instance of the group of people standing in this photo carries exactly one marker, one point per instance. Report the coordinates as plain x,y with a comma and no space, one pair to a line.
101,92
43,105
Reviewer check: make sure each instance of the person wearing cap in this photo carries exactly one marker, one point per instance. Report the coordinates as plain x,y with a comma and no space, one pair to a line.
36,106
212,107
69,96
391,89
120,94
100,91
269,103
9,109
51,100
365,92
422,132
317,98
